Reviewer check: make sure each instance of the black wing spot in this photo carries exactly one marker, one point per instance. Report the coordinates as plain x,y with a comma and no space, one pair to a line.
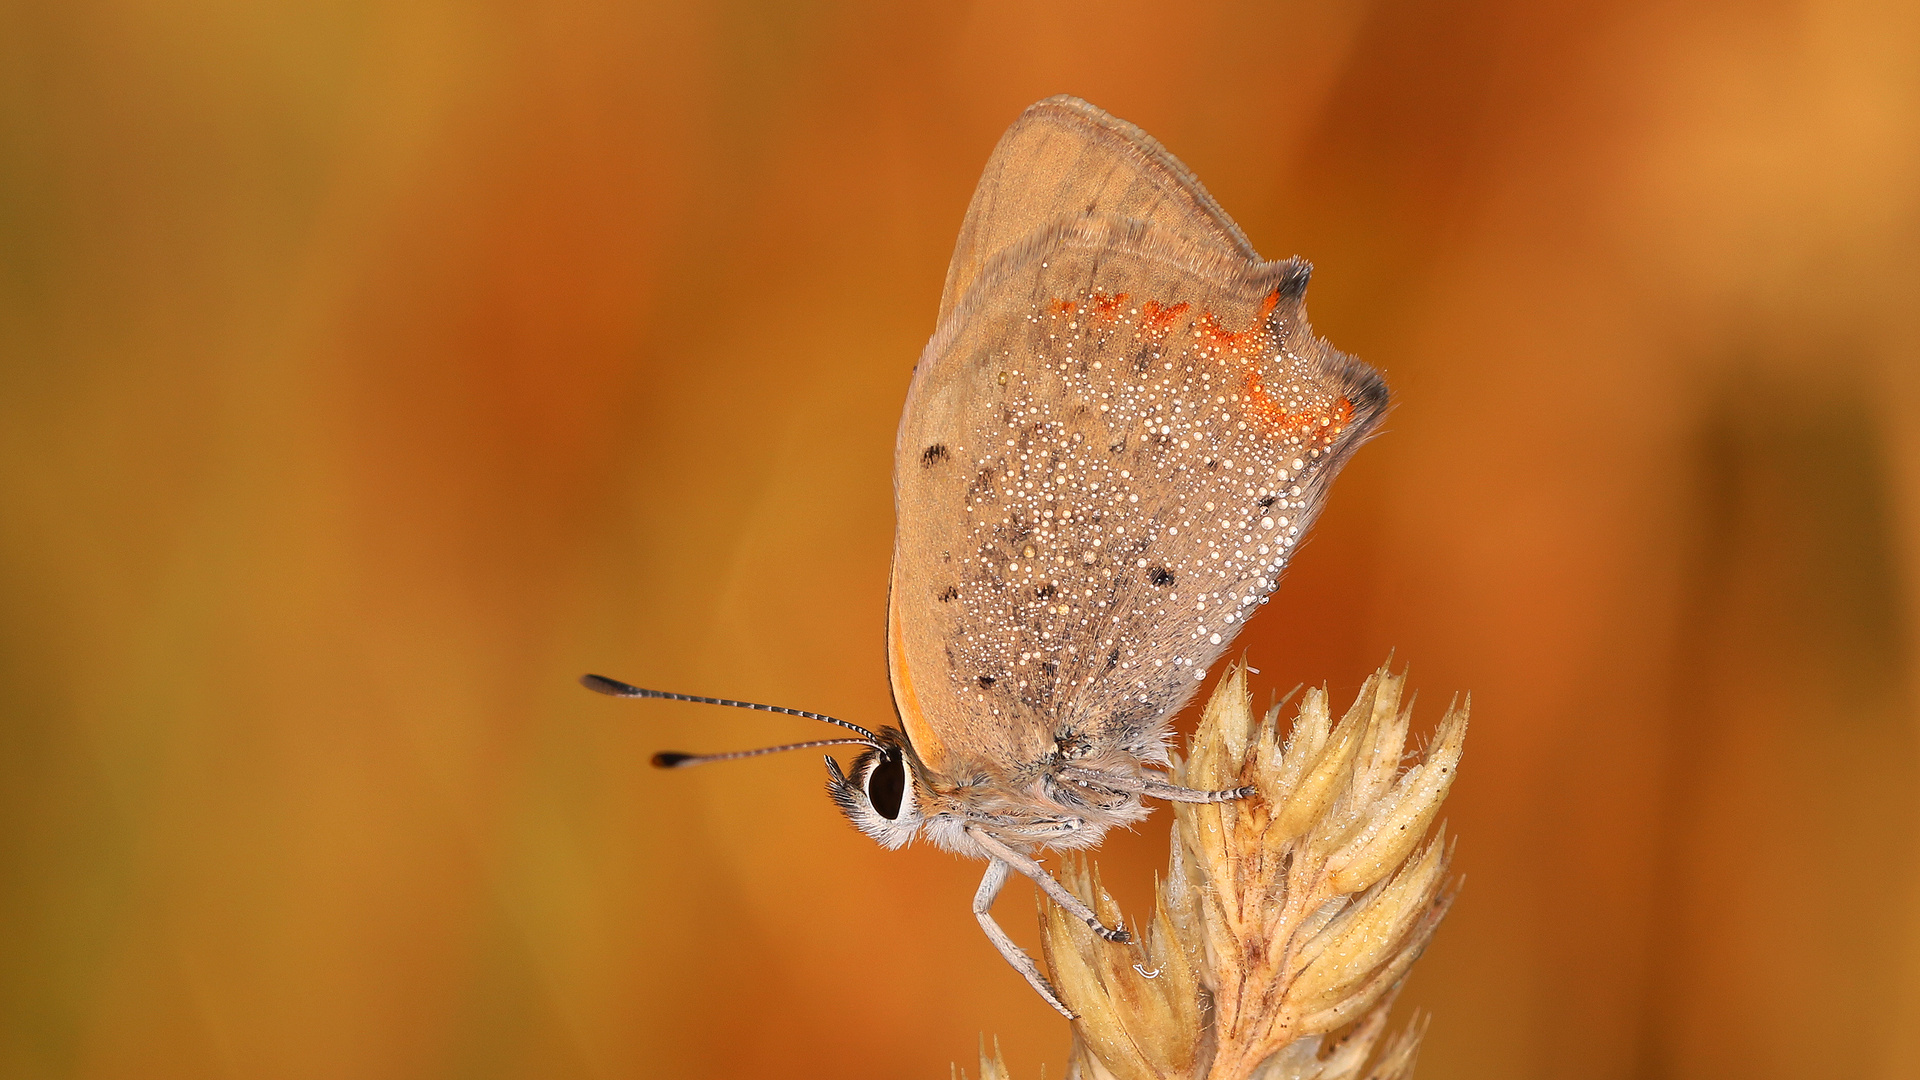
1160,576
985,681
1268,501
950,593
1113,658
982,485
1043,591
933,455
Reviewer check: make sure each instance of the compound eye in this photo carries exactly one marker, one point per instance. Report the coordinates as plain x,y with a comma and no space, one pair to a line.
887,785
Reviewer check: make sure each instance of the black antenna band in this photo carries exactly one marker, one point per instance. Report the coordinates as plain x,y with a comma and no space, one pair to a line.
600,684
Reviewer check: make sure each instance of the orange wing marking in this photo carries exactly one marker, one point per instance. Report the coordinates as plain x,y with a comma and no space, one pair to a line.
1101,307
1334,420
1255,338
1156,320
1253,346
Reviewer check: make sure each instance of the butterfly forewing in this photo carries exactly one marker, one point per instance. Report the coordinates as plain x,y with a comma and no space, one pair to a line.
1066,158
1109,452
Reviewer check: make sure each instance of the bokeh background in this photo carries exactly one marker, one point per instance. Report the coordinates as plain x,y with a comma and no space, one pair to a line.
369,371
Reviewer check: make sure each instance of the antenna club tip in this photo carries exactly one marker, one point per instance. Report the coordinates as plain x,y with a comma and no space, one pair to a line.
600,684
669,759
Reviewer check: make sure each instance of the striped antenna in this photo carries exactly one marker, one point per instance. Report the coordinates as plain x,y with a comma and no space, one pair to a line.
600,684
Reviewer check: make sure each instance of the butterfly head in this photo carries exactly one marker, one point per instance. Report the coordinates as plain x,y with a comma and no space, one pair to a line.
886,792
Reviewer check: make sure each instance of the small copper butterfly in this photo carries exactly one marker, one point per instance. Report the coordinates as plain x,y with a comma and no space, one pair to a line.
1115,440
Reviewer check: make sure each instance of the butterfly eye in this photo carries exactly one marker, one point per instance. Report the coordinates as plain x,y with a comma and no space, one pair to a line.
887,785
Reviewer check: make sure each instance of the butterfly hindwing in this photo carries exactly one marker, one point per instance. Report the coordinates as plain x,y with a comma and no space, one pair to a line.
1110,449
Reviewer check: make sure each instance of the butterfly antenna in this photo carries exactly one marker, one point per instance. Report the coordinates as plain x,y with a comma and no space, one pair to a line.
600,684
673,759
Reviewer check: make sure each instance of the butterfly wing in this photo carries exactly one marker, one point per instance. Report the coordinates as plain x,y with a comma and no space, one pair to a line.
1113,443
1066,158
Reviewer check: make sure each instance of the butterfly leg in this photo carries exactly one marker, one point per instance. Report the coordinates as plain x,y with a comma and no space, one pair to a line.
1022,963
1059,893
1159,789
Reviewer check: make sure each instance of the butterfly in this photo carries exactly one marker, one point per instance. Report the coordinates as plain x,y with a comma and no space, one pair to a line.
1115,440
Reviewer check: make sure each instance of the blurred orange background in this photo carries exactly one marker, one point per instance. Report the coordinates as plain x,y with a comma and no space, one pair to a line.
371,371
